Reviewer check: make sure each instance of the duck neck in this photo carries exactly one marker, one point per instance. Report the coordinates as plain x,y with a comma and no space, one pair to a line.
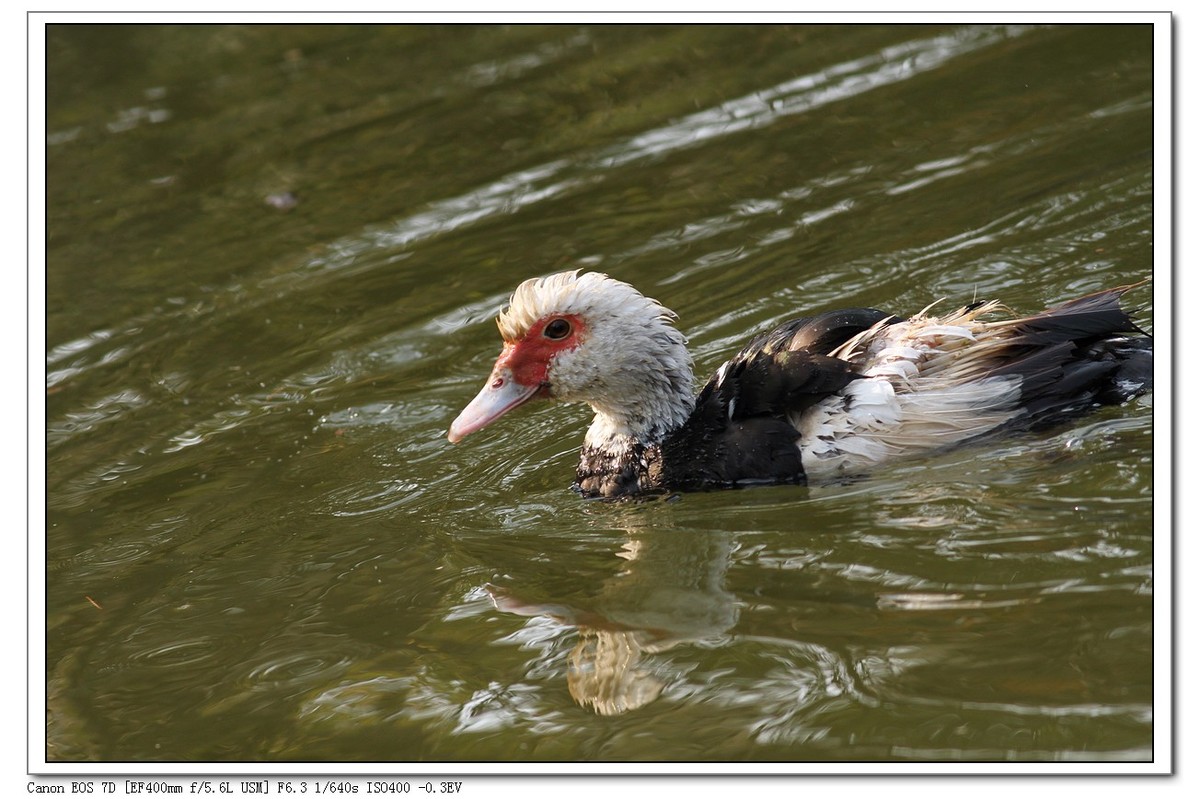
643,415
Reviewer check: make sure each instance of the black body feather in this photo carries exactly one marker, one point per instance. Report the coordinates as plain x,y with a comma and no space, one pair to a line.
1072,357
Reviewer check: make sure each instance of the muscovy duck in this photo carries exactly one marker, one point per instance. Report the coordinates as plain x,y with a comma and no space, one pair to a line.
817,398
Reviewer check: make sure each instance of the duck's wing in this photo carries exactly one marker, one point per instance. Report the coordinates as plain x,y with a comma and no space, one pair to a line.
820,334
931,382
1075,355
740,431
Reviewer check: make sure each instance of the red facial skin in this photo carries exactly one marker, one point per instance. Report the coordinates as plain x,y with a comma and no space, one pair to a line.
521,372
528,359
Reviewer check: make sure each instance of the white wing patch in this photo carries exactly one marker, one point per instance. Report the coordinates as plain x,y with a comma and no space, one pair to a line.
924,387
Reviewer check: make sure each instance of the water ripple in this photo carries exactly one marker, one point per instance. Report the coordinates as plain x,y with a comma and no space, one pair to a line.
750,112
808,92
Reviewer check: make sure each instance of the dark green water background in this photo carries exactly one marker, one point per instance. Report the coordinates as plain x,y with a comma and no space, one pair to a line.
274,255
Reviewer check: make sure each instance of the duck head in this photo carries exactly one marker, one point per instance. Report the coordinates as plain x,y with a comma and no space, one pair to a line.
588,338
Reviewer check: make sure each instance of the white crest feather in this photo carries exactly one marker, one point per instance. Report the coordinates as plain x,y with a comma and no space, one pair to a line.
571,292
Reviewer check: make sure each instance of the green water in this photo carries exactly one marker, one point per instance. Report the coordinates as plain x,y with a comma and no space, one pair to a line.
274,255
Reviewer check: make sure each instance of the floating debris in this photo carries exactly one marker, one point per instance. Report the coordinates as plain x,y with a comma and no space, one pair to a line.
282,201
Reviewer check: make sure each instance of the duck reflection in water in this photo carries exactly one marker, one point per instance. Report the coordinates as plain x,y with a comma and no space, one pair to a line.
671,592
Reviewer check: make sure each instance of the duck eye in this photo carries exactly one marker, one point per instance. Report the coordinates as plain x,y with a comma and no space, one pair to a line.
557,329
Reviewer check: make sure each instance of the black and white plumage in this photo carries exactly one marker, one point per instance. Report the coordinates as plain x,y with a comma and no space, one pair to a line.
815,399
